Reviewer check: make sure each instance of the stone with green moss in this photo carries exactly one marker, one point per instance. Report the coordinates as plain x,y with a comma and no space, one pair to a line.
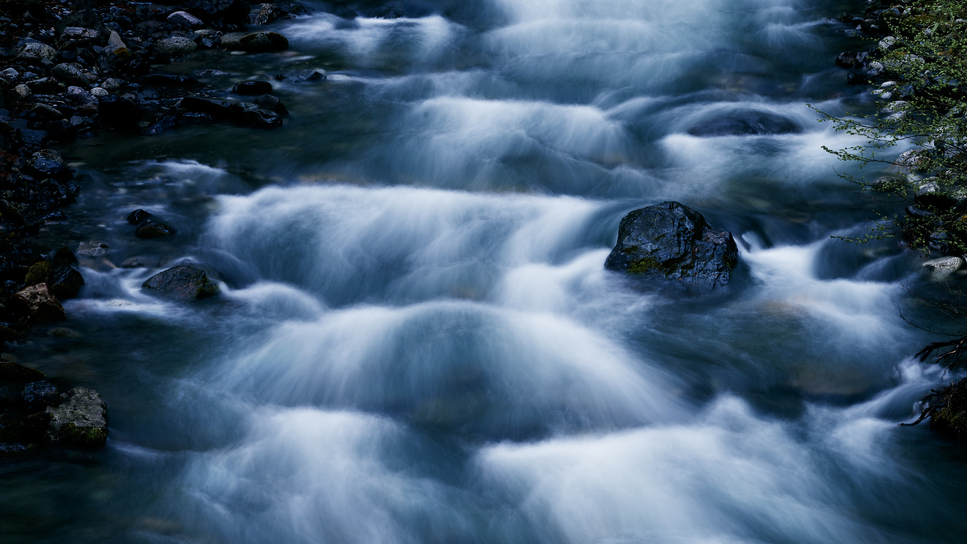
673,242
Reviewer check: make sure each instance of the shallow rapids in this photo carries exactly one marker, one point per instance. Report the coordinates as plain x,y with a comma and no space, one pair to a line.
417,341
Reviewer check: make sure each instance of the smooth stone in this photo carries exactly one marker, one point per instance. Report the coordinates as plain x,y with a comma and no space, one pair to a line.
171,47
182,282
183,18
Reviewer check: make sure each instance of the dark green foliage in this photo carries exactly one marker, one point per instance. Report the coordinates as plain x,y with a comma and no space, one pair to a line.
927,58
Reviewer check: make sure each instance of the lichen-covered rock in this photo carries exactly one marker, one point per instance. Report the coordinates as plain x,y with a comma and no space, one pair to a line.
171,47
35,52
673,242
80,421
182,282
70,73
38,305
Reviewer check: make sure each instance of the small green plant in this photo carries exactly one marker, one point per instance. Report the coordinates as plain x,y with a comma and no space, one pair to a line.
923,81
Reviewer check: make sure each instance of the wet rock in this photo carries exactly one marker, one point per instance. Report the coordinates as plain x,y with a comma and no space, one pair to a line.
673,242
84,101
37,304
63,332
150,230
71,74
92,249
38,395
745,123
47,163
65,282
850,60
185,19
259,42
182,282
35,53
943,267
138,217
85,19
23,90
210,106
311,75
251,115
271,103
16,372
172,47
78,33
140,261
64,257
252,87
80,421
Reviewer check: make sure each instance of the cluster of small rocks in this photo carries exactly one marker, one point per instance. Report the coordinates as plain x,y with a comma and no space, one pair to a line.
34,413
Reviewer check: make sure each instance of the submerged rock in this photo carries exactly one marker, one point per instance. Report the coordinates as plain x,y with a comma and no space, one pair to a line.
673,242
80,421
182,282
742,123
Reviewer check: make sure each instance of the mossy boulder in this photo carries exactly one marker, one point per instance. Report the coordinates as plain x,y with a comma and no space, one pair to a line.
80,421
673,242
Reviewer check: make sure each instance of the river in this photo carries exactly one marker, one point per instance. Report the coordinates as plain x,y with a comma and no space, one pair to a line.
417,341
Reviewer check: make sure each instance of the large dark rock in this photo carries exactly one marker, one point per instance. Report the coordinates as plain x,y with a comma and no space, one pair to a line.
153,229
252,87
182,282
80,421
218,109
742,123
47,164
251,115
673,242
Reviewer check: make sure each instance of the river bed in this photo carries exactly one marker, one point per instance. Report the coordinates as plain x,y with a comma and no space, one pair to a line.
417,340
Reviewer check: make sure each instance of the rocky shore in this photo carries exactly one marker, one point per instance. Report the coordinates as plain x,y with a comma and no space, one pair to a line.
77,69
916,68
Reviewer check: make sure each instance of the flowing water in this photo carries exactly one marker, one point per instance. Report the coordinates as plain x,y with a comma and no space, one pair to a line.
417,340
